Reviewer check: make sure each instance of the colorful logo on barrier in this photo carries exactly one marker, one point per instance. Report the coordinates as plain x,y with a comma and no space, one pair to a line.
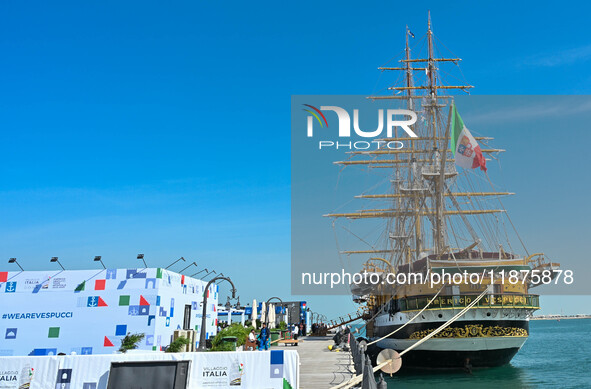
63,379
276,364
10,287
95,301
10,333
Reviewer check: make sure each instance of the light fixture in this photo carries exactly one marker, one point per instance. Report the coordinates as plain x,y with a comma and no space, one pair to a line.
141,256
198,272
98,259
181,258
54,259
13,260
191,264
213,271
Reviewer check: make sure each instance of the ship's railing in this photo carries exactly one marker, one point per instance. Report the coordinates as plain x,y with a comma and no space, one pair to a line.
504,301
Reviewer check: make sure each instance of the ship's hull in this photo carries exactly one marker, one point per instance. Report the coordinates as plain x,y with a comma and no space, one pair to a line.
475,338
455,353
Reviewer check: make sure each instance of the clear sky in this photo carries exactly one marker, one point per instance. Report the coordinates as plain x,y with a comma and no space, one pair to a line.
131,127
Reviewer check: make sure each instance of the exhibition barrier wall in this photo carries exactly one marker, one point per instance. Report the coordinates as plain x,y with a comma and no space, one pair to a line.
276,369
90,311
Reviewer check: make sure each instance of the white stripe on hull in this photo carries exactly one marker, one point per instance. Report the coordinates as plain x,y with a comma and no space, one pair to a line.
456,344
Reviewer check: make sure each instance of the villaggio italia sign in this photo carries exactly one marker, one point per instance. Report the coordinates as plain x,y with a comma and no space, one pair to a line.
221,371
15,379
223,375
391,124
8,377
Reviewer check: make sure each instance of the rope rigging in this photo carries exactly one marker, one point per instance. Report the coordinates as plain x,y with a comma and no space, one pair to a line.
357,379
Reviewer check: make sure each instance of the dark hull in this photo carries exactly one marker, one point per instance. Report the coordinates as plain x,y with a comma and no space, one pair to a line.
452,352
422,359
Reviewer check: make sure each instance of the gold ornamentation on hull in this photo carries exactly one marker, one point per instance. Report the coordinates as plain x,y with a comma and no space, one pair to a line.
472,331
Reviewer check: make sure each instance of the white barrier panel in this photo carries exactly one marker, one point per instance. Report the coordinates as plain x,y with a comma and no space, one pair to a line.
18,372
250,370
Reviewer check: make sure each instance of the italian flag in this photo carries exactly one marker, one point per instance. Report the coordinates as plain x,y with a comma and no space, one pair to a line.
466,150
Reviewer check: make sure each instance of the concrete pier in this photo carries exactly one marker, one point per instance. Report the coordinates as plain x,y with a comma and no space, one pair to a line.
319,367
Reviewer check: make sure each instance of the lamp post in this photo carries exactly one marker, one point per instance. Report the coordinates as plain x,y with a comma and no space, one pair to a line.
204,317
13,260
141,256
221,275
181,258
54,259
191,264
98,259
267,309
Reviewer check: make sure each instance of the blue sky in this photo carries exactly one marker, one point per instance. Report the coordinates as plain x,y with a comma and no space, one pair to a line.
141,127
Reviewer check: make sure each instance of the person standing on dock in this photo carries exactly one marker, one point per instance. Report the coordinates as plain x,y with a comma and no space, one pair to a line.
264,338
295,332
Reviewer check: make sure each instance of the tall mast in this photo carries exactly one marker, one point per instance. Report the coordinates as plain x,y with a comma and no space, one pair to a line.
416,200
419,199
433,109
431,63
408,70
432,83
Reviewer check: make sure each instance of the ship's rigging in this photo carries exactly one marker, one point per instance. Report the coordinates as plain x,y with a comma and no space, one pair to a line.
427,205
432,213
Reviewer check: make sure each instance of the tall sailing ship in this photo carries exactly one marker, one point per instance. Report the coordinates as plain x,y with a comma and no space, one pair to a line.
438,218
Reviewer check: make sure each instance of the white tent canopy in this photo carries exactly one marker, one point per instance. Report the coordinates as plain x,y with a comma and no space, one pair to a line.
271,315
287,319
263,312
254,314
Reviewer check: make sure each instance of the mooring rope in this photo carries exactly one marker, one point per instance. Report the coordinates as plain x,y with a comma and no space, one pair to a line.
446,324
357,379
408,322
358,330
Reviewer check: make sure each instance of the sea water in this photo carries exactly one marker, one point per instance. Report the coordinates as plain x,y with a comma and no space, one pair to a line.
556,355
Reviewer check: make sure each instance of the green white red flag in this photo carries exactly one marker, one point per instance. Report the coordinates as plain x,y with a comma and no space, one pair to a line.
466,150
